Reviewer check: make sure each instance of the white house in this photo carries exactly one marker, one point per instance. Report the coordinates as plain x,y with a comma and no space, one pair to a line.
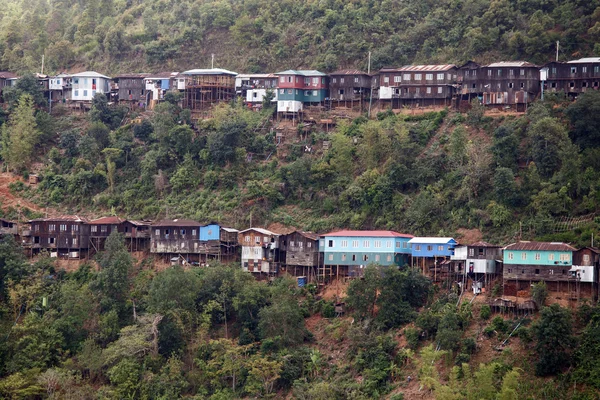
85,85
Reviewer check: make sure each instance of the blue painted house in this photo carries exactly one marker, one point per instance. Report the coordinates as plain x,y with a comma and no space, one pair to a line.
431,253
528,262
349,252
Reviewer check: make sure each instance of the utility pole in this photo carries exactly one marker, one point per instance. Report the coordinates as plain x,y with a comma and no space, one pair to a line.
212,63
557,46
371,87
42,73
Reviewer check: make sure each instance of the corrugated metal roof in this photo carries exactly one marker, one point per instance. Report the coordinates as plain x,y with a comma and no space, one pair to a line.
230,230
585,60
89,74
349,72
260,230
303,72
432,240
308,235
177,222
432,67
8,75
131,76
540,246
162,75
209,71
259,76
483,244
61,218
367,234
139,223
107,220
500,64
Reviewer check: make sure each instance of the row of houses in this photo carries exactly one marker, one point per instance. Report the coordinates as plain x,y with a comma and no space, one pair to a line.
325,257
511,84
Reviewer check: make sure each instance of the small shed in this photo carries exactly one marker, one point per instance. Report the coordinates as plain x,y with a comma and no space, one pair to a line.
33,179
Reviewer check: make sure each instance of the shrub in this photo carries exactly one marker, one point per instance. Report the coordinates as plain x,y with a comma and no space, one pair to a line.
469,346
489,331
462,358
397,396
412,337
485,312
499,324
539,293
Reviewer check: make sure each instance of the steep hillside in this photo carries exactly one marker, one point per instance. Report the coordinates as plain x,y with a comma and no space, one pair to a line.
263,35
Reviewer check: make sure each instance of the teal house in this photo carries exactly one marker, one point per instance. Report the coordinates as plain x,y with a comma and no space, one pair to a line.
528,262
349,252
297,88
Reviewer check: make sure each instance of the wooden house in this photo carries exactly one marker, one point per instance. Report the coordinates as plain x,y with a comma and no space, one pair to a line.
586,269
418,85
137,234
301,252
62,236
229,244
350,88
573,77
130,89
206,87
8,227
297,89
252,88
176,237
480,262
501,84
100,230
7,79
347,252
261,251
528,262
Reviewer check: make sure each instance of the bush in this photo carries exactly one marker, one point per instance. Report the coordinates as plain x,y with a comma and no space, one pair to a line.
328,310
462,358
499,324
397,396
539,293
489,331
412,337
485,312
469,346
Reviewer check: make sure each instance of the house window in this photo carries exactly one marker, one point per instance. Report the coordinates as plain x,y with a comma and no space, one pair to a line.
440,89
94,228
344,243
334,80
377,257
405,245
386,79
103,228
406,77
440,77
511,72
553,84
157,232
397,245
596,84
314,93
63,227
510,270
365,257
440,248
343,257
429,247
378,244
290,91
76,92
74,228
281,91
183,232
247,239
537,271
471,252
565,257
194,232
522,72
429,90
522,85
309,245
307,92
330,243
510,85
301,244
74,241
489,72
330,257
397,79
353,257
584,84
586,258
481,252
511,256
538,256
355,243
429,77
366,243
389,258
85,93
551,257
573,70
388,244
418,77
523,256
76,81
282,79
355,80
51,227
36,228
266,239
584,69
417,247
315,81
553,70
129,91
499,72
417,90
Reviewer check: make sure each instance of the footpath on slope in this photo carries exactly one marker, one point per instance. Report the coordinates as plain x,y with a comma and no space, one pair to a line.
7,199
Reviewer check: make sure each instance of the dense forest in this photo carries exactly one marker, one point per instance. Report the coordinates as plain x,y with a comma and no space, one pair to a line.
125,327
262,36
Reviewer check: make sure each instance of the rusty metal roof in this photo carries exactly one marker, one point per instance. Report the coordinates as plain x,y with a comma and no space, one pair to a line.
8,75
131,76
425,68
349,72
107,220
483,244
540,246
308,235
61,218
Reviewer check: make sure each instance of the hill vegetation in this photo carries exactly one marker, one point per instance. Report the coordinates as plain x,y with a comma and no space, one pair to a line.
261,35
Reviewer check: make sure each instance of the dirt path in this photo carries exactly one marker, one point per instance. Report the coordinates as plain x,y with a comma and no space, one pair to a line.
7,199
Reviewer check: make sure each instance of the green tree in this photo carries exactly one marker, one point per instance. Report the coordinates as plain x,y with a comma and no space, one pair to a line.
283,317
546,137
20,136
584,115
505,186
539,293
553,332
362,293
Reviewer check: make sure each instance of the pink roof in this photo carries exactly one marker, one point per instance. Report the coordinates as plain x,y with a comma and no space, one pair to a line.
368,233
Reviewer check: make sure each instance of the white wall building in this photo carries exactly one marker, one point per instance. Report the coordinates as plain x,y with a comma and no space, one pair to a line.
85,85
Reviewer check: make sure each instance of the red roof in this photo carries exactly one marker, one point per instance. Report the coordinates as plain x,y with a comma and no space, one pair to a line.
368,233
107,220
